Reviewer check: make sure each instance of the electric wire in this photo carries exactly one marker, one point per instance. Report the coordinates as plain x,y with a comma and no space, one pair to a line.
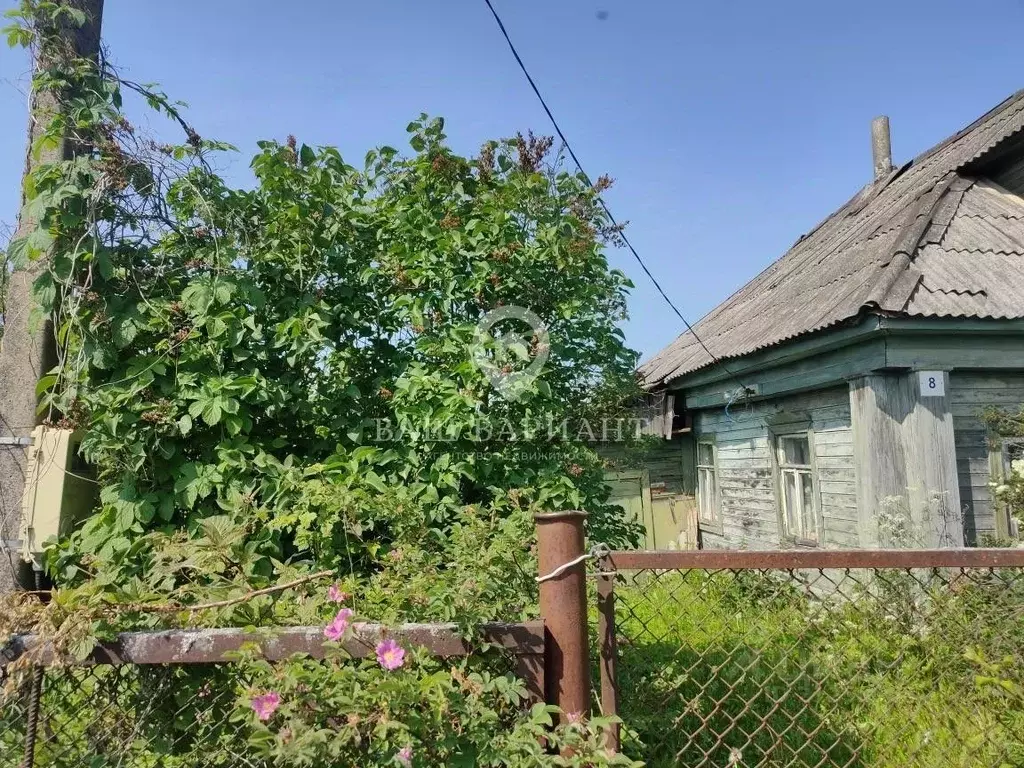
565,141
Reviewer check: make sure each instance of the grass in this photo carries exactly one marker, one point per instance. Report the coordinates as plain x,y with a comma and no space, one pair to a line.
744,669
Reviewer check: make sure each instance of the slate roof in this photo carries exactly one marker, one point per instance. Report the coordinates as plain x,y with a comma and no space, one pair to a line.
928,240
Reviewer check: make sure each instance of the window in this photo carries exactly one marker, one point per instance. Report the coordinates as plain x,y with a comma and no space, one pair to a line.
707,486
796,487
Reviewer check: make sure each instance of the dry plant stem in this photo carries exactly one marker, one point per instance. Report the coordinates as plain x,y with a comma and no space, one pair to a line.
172,607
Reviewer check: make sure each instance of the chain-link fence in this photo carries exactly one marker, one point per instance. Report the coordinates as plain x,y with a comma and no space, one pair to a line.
823,659
913,661
172,699
129,715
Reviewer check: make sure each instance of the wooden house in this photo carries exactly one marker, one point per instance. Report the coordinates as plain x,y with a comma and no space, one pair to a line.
835,400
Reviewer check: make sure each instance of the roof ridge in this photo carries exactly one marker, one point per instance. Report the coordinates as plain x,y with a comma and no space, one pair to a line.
945,211
1014,97
906,245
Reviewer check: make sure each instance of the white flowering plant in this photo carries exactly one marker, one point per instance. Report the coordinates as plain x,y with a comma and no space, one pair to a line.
1008,489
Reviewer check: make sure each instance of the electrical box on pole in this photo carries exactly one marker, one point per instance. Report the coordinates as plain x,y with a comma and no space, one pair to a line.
59,489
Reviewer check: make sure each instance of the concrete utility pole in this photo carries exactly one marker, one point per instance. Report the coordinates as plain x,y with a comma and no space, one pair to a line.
26,355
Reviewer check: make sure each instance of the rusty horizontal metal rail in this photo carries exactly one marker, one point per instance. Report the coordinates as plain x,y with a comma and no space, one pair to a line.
709,559
208,646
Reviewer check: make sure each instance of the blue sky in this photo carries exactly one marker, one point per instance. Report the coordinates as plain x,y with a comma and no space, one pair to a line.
730,127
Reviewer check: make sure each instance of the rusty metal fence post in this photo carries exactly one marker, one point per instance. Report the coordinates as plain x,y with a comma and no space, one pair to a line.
608,650
563,607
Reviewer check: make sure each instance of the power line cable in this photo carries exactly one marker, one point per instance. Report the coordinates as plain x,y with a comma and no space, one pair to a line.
604,205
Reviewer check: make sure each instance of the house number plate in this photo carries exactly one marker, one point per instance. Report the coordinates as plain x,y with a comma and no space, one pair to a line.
933,383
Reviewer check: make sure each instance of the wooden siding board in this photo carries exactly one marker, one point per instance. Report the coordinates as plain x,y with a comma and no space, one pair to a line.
664,462
906,464
954,351
971,392
828,462
805,376
746,479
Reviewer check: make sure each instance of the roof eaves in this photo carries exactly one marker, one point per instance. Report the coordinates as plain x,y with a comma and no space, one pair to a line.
834,326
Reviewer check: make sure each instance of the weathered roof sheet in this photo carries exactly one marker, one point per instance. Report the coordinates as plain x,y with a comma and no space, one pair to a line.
924,241
975,268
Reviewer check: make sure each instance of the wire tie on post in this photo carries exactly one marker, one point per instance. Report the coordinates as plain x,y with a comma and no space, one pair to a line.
605,554
596,552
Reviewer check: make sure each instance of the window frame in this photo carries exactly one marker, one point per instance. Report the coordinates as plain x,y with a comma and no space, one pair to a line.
780,470
714,524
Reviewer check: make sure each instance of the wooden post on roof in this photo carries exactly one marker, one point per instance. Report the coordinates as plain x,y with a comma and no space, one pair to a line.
881,147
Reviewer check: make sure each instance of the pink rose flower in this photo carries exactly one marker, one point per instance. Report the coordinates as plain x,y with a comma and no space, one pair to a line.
390,654
335,595
266,704
338,625
404,755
